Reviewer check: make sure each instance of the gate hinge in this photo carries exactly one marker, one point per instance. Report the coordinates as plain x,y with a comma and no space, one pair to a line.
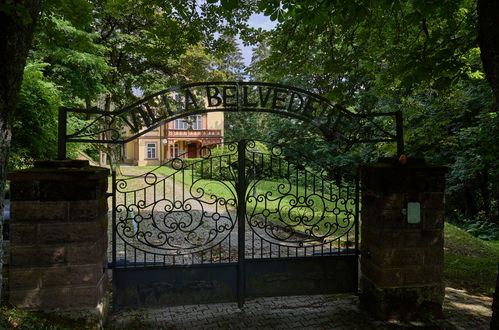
109,195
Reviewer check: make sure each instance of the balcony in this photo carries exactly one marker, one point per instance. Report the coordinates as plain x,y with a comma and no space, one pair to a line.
193,134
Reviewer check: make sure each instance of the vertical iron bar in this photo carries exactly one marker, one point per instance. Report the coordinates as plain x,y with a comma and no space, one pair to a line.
61,140
241,187
229,247
252,243
400,132
113,219
357,201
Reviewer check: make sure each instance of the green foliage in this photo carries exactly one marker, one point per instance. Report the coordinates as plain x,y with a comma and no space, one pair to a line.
218,165
343,44
78,63
469,262
13,318
421,58
479,226
456,128
105,53
482,228
34,133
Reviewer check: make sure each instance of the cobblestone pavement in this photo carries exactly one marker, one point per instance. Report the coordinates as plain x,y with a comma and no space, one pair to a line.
461,311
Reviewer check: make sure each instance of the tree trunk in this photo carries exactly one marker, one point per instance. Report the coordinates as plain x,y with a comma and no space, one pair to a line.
485,188
470,208
114,161
17,22
494,324
112,150
102,158
488,35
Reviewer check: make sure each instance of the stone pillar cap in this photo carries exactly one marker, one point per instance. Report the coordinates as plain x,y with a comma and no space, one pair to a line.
66,163
59,170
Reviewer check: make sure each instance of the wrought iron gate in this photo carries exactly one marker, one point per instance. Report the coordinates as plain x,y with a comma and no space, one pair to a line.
241,221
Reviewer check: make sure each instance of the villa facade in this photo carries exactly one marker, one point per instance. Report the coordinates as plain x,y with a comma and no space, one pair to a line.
179,138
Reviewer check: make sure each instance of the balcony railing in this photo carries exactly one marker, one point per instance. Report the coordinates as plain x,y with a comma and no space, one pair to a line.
181,133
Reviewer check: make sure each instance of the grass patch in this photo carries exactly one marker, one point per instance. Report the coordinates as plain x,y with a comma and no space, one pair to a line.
13,318
470,263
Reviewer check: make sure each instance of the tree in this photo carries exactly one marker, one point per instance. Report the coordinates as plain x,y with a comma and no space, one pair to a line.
237,125
17,22
179,20
34,131
232,61
403,46
64,68
259,54
422,58
145,40
75,61
488,18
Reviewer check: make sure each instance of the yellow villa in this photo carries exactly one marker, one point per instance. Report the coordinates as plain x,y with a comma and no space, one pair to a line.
179,138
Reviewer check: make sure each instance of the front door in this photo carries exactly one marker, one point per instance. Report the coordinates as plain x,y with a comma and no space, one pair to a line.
192,150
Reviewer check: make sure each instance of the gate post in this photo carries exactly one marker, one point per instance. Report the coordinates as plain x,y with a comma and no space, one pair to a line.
58,255
402,239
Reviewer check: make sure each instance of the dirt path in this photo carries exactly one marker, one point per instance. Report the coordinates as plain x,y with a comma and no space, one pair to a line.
464,310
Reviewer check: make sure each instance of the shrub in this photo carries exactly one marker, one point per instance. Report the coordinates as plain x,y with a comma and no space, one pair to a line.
479,226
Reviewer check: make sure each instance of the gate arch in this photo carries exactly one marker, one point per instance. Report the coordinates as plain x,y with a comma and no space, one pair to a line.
333,120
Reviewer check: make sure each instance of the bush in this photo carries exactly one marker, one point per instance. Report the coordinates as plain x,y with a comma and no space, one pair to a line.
479,226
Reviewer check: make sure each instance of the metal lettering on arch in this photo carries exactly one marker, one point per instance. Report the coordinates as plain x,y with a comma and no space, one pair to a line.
333,120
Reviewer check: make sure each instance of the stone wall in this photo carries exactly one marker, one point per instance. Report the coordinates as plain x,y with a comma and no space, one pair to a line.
402,262
58,237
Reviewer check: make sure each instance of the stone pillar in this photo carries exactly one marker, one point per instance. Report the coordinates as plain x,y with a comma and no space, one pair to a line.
402,262
58,237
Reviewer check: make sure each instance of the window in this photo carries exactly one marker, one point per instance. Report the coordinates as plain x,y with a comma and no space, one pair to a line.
191,122
151,150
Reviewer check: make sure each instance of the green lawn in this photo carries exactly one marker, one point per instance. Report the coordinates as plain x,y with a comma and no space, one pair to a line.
470,263
301,218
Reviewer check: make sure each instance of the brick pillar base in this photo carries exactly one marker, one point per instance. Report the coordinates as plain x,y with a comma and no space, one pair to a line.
402,262
58,237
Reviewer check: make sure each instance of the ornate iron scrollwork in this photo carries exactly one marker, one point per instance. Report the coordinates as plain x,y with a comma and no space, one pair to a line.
167,212
292,208
187,211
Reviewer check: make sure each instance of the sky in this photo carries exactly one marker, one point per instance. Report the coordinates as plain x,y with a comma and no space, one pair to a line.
256,21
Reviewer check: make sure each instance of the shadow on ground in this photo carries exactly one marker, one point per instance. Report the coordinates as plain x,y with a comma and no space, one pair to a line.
461,310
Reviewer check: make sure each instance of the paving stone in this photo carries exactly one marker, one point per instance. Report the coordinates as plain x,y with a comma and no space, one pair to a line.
306,312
